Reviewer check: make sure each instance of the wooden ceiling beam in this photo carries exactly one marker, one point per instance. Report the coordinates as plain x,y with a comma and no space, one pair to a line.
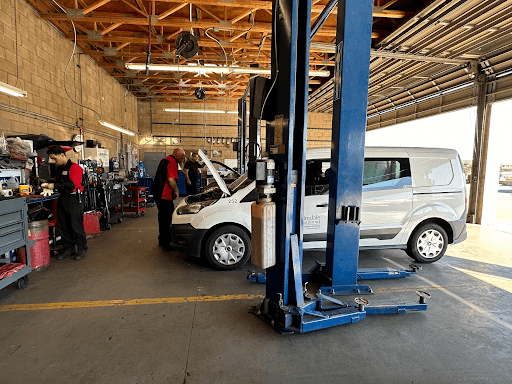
134,8
111,28
121,46
94,6
208,13
389,3
237,36
203,24
215,57
143,21
267,5
245,14
202,43
190,91
171,11
175,34
174,86
142,7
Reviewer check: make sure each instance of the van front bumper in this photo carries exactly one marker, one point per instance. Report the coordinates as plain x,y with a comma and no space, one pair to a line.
187,239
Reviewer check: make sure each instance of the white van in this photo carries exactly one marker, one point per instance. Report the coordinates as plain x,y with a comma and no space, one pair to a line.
413,199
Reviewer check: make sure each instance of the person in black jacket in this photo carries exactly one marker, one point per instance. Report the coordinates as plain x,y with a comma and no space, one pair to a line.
164,191
191,171
70,213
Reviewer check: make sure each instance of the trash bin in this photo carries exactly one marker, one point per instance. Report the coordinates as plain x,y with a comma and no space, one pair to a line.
38,231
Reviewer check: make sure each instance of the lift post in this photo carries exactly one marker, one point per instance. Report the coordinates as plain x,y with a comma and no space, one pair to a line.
350,101
242,135
287,305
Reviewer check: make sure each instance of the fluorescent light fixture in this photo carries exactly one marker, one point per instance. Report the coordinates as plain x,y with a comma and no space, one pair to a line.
210,69
200,111
13,91
115,127
192,110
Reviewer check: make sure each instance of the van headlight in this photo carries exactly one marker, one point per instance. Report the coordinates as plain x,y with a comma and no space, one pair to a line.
192,209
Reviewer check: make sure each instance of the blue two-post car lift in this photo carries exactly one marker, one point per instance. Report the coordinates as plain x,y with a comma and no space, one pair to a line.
287,305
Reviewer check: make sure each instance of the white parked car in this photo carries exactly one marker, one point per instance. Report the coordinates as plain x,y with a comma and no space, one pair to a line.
413,199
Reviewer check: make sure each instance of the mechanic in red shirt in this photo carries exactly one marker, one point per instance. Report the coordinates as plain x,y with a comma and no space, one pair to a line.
164,191
70,211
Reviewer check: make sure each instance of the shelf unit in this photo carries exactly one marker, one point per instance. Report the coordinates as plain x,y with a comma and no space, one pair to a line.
13,235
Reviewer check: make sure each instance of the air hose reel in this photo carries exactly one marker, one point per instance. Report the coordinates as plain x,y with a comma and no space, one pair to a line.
186,45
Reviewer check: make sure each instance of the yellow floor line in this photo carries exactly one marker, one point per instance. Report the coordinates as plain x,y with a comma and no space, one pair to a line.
458,298
117,303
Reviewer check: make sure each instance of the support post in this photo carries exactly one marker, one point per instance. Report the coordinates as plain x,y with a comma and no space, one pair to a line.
476,191
286,138
483,164
353,43
242,134
254,138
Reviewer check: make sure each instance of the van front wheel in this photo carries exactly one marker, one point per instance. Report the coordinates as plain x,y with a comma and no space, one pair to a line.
228,247
428,243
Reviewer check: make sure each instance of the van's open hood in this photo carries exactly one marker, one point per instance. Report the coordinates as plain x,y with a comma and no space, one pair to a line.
214,172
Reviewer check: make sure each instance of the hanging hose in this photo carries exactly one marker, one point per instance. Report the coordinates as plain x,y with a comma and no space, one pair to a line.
148,56
67,65
224,29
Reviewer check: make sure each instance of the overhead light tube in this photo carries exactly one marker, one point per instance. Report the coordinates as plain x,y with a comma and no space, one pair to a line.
192,110
211,69
199,111
115,127
13,91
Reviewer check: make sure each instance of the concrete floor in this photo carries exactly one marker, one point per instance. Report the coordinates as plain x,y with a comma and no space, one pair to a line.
83,328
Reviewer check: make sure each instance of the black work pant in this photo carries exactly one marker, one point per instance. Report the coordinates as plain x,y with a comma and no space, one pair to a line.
165,211
191,188
70,219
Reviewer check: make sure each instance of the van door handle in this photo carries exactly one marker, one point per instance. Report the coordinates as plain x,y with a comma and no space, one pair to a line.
323,205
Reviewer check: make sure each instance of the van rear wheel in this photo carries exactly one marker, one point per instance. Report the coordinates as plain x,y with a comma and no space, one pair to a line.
428,243
228,247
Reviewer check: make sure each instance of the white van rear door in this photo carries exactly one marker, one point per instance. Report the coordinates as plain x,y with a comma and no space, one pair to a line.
387,199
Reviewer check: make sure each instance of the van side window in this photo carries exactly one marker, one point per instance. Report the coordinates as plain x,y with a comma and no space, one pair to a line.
386,173
317,176
432,172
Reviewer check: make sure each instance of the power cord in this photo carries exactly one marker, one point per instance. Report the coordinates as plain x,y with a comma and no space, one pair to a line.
67,65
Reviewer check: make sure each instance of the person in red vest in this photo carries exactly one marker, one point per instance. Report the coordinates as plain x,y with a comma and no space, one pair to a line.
164,191
70,211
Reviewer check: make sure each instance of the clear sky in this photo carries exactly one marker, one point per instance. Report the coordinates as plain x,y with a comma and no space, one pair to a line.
454,130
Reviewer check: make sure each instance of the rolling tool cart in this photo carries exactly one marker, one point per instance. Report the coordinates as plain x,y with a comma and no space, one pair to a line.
148,183
135,200
109,196
13,235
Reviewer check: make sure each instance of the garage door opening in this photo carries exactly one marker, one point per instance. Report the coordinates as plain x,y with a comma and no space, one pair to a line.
456,130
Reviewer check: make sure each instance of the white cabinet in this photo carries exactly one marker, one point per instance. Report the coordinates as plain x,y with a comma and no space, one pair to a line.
98,154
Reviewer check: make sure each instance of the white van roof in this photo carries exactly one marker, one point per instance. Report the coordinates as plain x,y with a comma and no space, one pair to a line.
325,152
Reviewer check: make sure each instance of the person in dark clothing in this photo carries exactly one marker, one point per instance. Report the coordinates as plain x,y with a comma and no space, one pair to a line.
164,191
191,174
70,211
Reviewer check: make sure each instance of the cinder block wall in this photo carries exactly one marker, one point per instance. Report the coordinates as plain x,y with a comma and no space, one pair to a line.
42,55
319,130
154,121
